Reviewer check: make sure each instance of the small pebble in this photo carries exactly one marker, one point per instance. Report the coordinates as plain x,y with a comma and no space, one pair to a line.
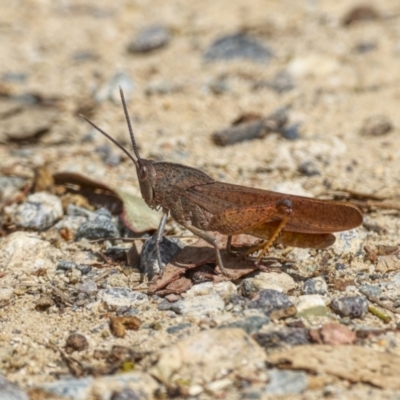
376,125
309,168
237,46
76,342
118,297
270,300
315,286
200,305
291,132
353,307
100,227
43,303
149,39
39,212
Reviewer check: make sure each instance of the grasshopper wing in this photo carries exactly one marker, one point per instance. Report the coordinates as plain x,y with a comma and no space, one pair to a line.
245,205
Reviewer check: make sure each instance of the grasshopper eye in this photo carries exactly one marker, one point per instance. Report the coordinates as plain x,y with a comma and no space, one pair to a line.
143,173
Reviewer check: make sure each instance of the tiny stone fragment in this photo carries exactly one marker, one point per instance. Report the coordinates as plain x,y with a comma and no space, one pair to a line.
118,297
150,39
376,125
44,303
118,325
315,286
199,305
353,306
76,342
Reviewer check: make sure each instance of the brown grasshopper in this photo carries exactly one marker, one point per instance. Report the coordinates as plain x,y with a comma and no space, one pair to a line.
200,204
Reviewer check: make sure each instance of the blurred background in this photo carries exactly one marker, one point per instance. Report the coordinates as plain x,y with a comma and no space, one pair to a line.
192,69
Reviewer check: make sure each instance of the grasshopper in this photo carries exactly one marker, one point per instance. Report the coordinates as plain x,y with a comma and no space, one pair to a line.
202,205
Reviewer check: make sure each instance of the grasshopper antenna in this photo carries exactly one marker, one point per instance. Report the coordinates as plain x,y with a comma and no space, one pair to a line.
112,139
128,121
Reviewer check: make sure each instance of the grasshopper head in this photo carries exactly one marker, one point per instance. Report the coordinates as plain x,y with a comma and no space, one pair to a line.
147,177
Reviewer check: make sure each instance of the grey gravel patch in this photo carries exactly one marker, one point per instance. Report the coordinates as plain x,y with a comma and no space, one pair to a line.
118,297
169,247
353,307
39,212
270,300
315,286
100,227
283,382
237,46
149,39
10,391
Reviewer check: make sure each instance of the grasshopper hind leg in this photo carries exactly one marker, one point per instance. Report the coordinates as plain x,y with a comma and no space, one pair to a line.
211,240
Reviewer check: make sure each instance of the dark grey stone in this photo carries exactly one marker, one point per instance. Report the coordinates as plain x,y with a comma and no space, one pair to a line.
270,300
278,337
353,306
100,227
237,46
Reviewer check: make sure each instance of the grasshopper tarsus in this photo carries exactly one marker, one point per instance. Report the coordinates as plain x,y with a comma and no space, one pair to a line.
201,204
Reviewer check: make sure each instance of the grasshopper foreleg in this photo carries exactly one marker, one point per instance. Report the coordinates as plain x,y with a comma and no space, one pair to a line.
159,236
